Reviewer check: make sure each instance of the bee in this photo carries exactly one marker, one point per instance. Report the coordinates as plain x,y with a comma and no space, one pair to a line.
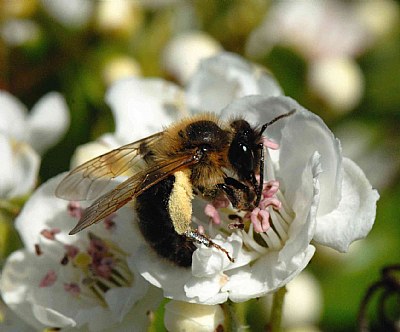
200,155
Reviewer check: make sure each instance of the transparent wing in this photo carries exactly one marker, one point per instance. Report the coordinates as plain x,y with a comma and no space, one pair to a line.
91,179
131,188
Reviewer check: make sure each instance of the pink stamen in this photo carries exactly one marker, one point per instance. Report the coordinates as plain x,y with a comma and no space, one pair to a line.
50,234
109,222
270,188
211,209
104,267
270,144
201,230
75,210
260,216
72,288
49,279
273,201
260,220
71,250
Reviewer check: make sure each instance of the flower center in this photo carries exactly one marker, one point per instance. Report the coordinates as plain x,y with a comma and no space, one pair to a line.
88,271
266,227
279,216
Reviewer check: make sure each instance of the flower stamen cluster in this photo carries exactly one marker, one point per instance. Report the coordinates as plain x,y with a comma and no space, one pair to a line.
91,271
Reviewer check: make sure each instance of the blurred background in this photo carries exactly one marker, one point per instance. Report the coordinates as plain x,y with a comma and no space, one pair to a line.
341,60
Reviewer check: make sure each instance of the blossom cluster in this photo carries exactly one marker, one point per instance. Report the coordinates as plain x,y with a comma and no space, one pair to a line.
108,275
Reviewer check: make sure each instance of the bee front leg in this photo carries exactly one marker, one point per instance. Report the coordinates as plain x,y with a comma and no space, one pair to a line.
198,237
239,194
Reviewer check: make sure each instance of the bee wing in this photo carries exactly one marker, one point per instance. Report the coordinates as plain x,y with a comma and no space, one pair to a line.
91,179
131,188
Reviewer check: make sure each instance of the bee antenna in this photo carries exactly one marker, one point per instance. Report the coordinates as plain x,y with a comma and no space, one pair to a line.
264,127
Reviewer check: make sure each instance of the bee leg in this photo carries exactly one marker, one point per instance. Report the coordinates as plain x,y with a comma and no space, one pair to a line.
237,222
238,194
194,235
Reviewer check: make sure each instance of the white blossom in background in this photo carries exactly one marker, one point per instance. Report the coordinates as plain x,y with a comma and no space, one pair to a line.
332,34
360,144
42,127
16,32
118,17
183,316
338,81
303,304
183,53
70,13
379,17
119,67
87,282
322,196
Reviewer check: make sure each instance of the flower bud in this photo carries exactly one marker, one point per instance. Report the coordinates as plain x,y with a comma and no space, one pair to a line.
183,316
184,52
338,82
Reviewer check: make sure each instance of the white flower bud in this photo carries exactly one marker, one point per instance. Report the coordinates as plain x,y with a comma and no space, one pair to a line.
338,81
118,16
184,316
184,52
120,67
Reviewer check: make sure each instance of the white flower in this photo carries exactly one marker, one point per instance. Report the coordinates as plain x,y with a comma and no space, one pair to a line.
17,32
328,29
331,36
183,316
86,281
320,195
18,169
42,127
303,302
118,17
184,52
338,80
71,13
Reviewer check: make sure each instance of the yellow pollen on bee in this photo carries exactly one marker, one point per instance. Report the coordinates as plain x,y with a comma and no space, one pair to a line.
180,202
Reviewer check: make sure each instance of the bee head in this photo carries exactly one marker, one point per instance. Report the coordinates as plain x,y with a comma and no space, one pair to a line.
244,154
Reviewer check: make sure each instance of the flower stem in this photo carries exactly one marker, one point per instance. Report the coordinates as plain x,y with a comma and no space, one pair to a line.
234,317
277,310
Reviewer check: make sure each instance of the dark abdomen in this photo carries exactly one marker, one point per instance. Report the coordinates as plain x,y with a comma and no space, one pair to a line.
156,225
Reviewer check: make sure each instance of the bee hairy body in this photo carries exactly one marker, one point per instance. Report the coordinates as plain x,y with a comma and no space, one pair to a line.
158,207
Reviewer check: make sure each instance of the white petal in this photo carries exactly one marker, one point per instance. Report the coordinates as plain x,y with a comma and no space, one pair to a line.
355,214
206,290
50,317
266,275
14,288
142,107
121,299
19,168
42,211
12,116
305,207
48,121
224,78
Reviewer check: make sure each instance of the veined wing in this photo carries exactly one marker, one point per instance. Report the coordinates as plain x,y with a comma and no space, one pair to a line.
131,188
91,179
